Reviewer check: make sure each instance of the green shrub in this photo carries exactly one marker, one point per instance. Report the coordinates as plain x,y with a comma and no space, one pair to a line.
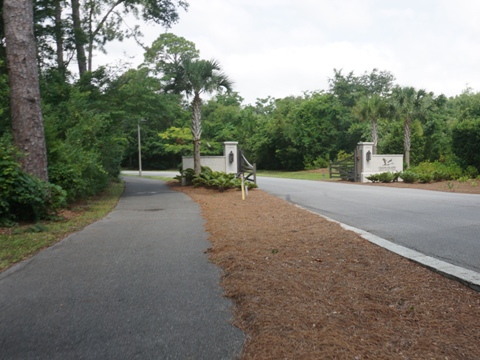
471,172
78,171
318,163
343,155
438,170
465,140
426,167
24,197
188,174
216,180
396,175
425,178
409,177
386,177
85,142
450,171
249,184
373,178
439,175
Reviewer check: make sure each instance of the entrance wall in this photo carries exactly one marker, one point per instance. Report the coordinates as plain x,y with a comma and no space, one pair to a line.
226,163
366,163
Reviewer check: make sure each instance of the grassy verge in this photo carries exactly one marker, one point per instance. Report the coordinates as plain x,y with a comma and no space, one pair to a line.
26,240
163,178
320,174
317,174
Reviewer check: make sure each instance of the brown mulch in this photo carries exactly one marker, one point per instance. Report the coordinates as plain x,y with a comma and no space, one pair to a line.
304,288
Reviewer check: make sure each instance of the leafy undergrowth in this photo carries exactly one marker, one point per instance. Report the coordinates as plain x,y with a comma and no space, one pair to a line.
25,240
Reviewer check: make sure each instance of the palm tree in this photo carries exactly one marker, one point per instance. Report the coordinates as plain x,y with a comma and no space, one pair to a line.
410,104
196,77
372,108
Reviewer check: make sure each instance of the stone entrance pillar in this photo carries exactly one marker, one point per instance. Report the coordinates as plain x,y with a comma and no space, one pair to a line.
363,160
231,156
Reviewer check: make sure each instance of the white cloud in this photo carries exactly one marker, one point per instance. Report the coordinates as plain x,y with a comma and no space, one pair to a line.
283,47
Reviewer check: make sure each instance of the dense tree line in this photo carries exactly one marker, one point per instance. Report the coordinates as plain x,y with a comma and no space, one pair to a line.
85,116
92,116
310,130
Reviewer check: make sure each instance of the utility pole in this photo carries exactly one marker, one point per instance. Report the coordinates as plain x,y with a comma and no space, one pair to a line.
139,151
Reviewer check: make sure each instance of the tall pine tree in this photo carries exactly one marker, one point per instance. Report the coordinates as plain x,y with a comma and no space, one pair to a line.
26,112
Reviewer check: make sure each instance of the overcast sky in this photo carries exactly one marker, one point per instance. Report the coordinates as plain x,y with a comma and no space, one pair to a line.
285,47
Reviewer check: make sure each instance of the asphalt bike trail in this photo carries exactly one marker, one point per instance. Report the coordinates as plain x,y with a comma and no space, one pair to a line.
135,285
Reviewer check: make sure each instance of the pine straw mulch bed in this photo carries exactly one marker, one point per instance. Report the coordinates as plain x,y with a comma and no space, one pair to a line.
304,288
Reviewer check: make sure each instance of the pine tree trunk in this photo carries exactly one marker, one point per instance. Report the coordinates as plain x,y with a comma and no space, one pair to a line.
89,45
197,133
26,112
59,36
79,36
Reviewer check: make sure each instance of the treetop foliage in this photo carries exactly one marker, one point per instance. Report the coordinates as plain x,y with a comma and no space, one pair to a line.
349,88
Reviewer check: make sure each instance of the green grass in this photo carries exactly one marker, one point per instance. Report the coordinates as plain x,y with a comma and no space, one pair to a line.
163,178
320,174
26,240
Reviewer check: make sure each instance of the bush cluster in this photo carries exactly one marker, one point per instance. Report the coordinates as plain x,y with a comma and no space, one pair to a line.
85,144
465,140
385,177
427,172
438,171
187,174
79,171
318,163
409,177
24,197
218,180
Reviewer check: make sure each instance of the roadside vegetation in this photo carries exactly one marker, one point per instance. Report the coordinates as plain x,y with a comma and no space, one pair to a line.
427,172
26,239
212,179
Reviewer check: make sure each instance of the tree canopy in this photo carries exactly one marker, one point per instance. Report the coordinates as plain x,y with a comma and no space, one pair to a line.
90,116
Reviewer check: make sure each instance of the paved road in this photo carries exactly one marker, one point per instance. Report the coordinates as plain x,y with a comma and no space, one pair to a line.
443,225
135,285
